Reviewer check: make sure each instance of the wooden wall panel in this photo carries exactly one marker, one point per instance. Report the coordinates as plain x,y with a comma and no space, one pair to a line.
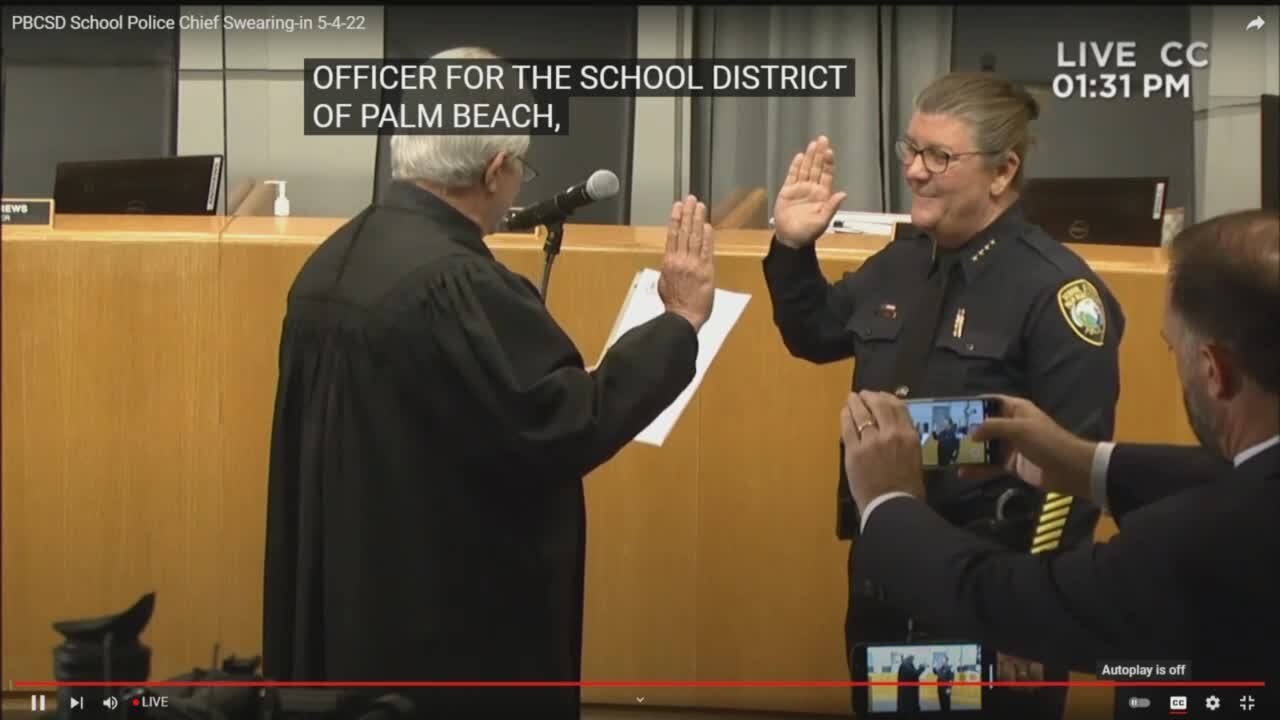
110,426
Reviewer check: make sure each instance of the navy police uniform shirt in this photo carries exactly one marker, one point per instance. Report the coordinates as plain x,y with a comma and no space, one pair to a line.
1024,316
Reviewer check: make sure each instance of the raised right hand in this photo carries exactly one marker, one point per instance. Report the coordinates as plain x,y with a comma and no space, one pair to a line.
687,285
805,204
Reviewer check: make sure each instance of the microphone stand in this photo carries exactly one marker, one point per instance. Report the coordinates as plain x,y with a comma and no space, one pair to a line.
555,234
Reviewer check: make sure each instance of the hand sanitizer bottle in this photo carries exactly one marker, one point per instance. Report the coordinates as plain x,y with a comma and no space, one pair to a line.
282,201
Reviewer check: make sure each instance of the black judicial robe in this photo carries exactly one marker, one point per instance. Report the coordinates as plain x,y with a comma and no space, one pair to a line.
433,424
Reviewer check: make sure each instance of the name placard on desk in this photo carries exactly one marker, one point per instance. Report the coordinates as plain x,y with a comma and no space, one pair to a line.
26,211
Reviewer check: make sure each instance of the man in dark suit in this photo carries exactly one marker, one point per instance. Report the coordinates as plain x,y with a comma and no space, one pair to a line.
1183,579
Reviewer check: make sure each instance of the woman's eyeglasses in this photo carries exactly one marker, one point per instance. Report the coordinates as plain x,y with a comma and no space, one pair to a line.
935,160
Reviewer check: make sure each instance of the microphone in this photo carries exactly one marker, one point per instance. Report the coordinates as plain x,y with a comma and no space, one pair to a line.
602,185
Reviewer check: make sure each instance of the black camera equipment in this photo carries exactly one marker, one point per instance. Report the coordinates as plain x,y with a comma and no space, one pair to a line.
104,649
108,649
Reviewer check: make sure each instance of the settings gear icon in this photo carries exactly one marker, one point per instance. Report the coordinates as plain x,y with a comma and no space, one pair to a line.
1213,703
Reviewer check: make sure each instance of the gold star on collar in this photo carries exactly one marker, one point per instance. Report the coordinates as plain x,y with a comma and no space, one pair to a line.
983,250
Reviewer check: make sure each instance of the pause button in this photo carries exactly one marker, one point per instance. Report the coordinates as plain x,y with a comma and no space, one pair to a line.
37,703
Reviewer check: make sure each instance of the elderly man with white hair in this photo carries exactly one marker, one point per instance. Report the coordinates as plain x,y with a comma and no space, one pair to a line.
433,425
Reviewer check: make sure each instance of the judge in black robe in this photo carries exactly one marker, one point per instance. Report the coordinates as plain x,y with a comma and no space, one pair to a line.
909,695
432,428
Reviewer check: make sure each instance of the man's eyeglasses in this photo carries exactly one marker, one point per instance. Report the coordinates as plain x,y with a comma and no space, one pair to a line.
935,160
529,171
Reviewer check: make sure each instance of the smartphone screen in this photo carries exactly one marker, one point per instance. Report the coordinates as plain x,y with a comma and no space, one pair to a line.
945,427
935,663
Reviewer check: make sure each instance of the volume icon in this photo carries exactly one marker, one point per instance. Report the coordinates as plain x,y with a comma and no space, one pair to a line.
110,703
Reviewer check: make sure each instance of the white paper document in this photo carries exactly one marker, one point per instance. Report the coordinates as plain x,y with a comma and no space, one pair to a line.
642,305
864,223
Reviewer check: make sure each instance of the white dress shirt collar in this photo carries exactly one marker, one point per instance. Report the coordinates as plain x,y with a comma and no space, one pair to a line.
1256,449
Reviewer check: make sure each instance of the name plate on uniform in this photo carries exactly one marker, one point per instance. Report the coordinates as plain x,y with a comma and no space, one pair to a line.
20,211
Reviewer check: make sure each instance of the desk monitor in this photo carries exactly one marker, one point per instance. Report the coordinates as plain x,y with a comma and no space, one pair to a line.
186,185
1102,211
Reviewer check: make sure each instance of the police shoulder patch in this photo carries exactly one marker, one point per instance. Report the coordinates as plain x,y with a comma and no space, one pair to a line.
1082,307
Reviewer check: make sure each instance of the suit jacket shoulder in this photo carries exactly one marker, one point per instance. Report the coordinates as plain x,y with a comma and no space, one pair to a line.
1140,474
